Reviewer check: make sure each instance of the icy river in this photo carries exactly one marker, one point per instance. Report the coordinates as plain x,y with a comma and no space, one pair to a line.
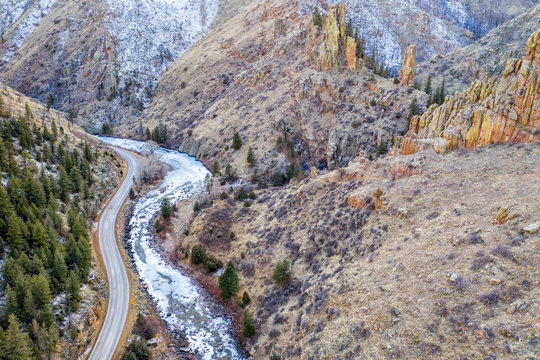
182,303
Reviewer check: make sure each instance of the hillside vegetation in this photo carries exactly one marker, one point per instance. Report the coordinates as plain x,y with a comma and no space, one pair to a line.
50,181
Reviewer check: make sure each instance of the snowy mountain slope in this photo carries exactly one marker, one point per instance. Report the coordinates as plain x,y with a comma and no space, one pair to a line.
11,11
151,34
485,57
102,59
29,16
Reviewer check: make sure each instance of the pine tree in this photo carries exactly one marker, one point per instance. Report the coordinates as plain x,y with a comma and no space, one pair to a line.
381,148
6,207
45,338
237,141
50,102
73,291
251,157
76,179
166,208
428,88
317,18
349,30
14,239
228,283
16,344
216,170
40,238
59,267
245,298
282,272
249,328
413,109
64,182
41,292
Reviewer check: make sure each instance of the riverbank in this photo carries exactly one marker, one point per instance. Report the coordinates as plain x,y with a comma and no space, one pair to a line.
181,301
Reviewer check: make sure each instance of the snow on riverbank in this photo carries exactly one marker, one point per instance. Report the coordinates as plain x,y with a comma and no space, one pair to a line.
180,301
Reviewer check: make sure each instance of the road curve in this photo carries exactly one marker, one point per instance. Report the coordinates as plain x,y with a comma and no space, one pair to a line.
119,297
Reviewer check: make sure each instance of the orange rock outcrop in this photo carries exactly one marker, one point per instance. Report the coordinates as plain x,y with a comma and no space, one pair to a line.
406,74
500,110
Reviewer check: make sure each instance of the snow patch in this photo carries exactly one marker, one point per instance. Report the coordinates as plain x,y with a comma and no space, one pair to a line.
151,34
26,27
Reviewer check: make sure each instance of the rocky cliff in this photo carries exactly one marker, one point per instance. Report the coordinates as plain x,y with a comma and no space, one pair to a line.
406,73
288,88
500,110
436,26
484,58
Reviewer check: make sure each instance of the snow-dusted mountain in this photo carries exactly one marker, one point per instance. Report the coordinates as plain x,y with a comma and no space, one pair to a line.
151,34
102,58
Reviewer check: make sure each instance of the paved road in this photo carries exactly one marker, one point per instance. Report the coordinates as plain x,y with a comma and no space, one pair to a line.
119,300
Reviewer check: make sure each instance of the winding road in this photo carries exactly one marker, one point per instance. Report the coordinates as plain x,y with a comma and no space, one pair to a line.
119,295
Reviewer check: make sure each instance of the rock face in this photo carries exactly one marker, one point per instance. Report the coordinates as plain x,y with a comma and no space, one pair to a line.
406,74
436,26
334,39
495,111
350,53
483,58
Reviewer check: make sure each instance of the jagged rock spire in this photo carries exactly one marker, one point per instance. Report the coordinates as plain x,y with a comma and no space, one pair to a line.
406,74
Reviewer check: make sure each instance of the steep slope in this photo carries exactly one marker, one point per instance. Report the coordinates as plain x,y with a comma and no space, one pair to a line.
498,110
436,26
484,58
259,76
102,59
54,179
436,264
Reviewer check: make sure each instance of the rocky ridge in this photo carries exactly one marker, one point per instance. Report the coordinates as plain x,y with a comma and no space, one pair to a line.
436,26
275,95
484,58
499,110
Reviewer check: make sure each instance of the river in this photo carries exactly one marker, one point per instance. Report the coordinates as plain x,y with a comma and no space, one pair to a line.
181,302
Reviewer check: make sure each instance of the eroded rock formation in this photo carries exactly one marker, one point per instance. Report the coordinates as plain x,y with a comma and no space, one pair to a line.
499,110
406,74
335,44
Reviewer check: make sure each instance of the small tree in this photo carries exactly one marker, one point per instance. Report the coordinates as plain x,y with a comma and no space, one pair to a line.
216,170
245,298
230,173
251,157
198,254
131,194
50,102
381,148
249,328
197,207
237,141
166,208
228,283
317,18
413,109
282,272
157,226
